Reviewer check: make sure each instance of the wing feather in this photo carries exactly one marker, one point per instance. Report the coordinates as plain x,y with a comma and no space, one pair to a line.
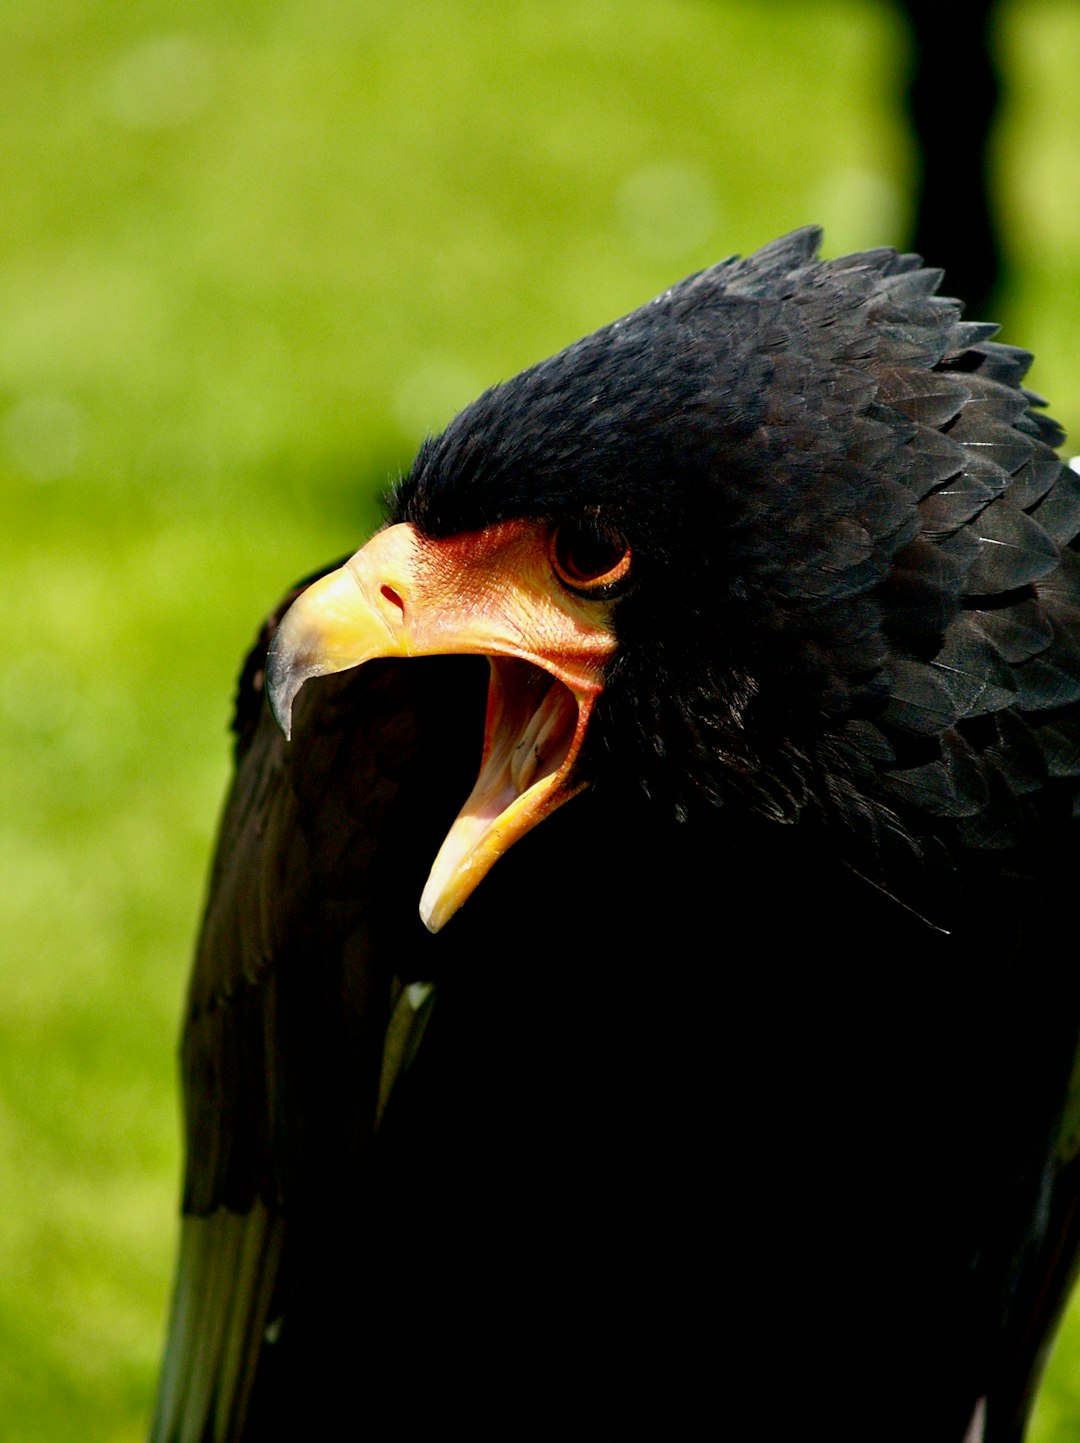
289,1003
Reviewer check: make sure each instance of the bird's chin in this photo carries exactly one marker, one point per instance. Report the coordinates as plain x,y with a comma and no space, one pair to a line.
533,733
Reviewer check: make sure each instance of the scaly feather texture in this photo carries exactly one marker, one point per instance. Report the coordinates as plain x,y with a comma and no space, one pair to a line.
773,1022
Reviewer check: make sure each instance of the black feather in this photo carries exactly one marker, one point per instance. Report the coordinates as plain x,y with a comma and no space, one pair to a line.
1018,630
1059,511
776,1006
1013,550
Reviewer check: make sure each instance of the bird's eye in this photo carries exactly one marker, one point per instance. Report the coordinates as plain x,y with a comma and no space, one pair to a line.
589,557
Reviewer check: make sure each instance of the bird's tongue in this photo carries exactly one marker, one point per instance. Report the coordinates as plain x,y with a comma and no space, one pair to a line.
532,734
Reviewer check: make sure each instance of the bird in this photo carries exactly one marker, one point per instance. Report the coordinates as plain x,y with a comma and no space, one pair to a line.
636,989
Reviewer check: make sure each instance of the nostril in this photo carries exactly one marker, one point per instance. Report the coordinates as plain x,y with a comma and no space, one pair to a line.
393,598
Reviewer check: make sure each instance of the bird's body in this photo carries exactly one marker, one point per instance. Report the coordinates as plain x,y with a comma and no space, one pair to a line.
741,1094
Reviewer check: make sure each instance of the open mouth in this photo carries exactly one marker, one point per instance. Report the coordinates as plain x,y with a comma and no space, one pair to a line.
495,593
529,729
533,732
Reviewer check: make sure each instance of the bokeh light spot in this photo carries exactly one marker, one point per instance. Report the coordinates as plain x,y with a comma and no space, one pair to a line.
43,436
669,209
160,83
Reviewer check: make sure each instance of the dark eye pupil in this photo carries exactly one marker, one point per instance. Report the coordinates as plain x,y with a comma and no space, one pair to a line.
585,552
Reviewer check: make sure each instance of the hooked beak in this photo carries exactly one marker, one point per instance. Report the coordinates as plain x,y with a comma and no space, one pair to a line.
490,592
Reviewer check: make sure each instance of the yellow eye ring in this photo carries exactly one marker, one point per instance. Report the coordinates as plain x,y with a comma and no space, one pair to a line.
589,557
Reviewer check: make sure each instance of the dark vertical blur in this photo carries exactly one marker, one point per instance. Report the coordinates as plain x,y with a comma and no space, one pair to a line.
953,95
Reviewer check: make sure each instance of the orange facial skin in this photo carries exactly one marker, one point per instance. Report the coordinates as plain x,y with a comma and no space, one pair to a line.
495,592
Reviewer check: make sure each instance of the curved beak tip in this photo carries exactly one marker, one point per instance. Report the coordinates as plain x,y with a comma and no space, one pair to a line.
283,680
432,914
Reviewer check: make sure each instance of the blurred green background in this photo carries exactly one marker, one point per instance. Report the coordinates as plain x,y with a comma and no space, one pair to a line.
251,253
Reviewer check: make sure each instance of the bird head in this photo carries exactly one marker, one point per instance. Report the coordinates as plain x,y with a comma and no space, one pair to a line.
704,548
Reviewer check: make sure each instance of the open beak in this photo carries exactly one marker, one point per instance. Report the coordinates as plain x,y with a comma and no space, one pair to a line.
490,592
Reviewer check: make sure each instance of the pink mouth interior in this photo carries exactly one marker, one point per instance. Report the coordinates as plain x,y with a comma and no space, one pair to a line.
529,731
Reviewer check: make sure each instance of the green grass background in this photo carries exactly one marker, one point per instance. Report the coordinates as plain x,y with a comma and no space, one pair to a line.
251,252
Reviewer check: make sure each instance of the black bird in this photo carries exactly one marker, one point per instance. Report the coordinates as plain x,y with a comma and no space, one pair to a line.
737,1094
